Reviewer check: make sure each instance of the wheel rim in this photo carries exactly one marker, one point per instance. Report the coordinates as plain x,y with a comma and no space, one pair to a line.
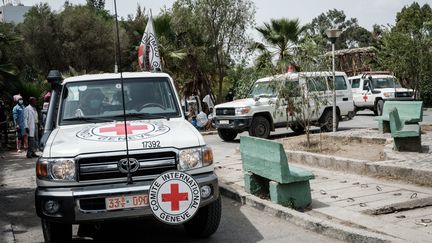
260,130
328,125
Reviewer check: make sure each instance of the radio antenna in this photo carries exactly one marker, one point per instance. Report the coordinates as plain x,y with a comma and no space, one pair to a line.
129,175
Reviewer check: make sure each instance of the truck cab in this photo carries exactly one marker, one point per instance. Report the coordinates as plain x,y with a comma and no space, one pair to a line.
112,143
264,109
372,89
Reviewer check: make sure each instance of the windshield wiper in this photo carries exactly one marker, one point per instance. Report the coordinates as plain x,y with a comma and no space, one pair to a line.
145,116
88,119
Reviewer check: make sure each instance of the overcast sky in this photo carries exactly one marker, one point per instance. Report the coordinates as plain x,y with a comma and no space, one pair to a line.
368,12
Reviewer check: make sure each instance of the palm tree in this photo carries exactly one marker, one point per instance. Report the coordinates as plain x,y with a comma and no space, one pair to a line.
281,35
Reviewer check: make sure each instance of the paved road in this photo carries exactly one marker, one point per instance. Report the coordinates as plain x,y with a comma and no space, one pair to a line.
363,119
18,222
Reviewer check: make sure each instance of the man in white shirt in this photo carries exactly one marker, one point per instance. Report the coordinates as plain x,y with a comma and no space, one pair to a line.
207,99
31,124
202,120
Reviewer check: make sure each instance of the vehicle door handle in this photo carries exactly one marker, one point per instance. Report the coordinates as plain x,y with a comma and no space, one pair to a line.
345,99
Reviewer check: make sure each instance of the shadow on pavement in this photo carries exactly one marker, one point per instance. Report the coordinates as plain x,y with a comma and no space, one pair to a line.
19,220
234,227
16,195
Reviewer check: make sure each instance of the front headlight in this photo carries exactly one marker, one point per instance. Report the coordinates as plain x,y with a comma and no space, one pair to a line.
195,158
56,169
388,94
242,110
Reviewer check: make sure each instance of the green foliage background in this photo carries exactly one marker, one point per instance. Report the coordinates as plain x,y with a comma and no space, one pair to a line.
204,45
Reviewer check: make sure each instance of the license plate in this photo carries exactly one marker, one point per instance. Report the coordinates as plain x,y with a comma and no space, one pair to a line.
126,201
224,122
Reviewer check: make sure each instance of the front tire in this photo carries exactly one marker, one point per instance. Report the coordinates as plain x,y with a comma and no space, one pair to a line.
326,122
260,127
56,232
227,135
206,221
378,111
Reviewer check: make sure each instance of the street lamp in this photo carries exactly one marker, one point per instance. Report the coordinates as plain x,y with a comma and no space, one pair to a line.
333,34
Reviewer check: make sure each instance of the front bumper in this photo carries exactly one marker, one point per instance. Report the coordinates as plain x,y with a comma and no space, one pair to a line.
71,200
237,123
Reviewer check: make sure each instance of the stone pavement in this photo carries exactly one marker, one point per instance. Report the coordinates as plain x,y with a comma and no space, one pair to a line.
355,207
18,221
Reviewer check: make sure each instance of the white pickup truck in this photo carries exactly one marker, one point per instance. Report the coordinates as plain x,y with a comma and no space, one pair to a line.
372,89
88,174
259,113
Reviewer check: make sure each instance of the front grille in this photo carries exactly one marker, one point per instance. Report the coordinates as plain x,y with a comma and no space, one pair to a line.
92,204
99,168
403,94
225,111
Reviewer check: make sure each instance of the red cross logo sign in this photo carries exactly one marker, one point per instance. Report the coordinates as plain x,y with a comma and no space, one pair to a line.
365,97
116,132
174,197
120,129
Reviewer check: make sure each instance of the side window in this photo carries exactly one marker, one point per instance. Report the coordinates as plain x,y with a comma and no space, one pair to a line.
355,83
341,83
365,85
316,84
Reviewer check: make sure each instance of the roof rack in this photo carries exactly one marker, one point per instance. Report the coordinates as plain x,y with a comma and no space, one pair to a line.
375,73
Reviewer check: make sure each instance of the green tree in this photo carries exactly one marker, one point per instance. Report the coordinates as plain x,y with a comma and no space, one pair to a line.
304,105
87,39
352,36
221,25
9,44
98,4
280,35
41,39
406,49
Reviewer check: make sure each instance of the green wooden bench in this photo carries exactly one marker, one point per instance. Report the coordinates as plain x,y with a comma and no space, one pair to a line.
407,137
267,172
410,112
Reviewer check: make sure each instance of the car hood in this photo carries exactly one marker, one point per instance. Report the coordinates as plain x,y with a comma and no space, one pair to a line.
238,103
397,90
73,140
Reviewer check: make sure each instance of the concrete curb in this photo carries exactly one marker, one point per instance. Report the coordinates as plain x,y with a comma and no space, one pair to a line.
304,220
7,235
377,169
209,133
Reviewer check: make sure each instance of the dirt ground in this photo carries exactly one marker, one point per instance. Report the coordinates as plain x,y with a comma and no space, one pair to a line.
348,147
426,128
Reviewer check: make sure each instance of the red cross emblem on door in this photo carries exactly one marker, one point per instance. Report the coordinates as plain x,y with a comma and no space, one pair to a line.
120,129
365,97
175,197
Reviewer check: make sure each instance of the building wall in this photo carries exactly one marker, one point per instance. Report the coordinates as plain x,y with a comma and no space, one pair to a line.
13,14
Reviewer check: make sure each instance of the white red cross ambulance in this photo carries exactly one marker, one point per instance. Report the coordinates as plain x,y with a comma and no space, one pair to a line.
371,89
88,174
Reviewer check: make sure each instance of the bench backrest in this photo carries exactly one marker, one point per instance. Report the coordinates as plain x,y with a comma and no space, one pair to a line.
395,122
264,158
406,109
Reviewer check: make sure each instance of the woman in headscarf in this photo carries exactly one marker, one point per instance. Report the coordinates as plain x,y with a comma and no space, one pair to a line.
18,118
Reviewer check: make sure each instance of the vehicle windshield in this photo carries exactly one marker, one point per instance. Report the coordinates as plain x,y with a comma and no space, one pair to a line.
262,89
382,83
101,100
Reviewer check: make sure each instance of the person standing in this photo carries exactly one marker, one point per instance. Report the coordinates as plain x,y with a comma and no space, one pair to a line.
3,124
208,99
18,119
31,124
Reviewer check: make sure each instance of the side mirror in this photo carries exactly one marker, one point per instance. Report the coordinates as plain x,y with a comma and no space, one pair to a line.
256,98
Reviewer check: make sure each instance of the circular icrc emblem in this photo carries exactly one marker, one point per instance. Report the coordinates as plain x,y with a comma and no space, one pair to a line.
174,197
115,132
